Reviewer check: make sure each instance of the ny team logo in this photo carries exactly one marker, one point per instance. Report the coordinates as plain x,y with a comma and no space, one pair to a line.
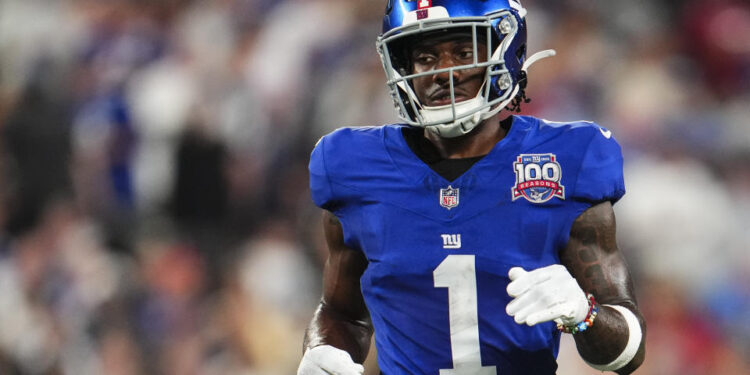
449,197
451,241
538,178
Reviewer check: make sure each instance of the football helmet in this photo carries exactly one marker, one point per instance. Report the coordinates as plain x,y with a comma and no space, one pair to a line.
501,24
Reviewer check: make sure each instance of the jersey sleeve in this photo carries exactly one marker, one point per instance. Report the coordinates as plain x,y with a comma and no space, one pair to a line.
325,169
320,184
600,176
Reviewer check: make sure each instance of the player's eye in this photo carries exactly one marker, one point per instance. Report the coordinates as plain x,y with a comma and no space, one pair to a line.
466,54
424,59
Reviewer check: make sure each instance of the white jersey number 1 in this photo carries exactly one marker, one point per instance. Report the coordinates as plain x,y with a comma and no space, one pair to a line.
458,274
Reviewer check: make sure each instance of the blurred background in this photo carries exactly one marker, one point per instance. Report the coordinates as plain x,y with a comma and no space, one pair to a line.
153,172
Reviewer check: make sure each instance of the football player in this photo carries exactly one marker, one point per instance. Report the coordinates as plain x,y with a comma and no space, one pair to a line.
466,238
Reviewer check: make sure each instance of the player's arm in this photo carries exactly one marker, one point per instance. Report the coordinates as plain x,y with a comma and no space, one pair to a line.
592,263
593,259
341,320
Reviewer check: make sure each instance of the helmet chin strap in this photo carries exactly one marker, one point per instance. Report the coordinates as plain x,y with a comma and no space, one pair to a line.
465,123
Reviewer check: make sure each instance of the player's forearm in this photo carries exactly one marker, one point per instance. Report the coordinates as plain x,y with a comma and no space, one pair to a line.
608,337
593,258
329,327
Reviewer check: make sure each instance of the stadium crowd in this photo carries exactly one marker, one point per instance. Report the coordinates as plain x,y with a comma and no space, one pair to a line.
153,172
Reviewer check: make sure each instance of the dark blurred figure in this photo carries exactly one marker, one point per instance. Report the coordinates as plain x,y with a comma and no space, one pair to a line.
36,141
200,192
200,195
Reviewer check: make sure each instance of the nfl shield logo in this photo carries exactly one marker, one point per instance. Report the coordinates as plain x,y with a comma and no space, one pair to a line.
449,197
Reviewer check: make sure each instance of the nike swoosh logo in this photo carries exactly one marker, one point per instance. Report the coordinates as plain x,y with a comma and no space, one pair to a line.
606,133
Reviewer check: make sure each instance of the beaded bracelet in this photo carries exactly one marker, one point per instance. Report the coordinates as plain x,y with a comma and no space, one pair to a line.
586,323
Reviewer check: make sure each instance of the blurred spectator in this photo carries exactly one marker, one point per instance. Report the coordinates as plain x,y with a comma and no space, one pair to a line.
36,141
667,233
717,35
277,305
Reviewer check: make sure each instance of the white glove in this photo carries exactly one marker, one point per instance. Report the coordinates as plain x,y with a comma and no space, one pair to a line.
544,294
325,359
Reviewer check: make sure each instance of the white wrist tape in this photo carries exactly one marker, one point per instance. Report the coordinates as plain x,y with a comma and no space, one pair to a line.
631,348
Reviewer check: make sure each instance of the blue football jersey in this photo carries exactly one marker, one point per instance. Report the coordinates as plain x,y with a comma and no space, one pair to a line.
439,251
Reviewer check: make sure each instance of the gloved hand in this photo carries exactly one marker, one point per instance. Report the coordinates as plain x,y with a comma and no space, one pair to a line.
325,359
544,294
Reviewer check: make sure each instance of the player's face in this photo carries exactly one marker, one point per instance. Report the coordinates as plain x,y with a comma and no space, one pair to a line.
434,89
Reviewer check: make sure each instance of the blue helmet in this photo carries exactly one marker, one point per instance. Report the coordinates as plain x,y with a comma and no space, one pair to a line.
501,24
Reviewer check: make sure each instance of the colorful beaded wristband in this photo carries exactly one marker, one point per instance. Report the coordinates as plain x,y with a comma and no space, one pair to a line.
587,322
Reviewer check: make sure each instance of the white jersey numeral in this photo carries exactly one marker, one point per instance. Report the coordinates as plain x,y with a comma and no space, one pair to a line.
458,274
